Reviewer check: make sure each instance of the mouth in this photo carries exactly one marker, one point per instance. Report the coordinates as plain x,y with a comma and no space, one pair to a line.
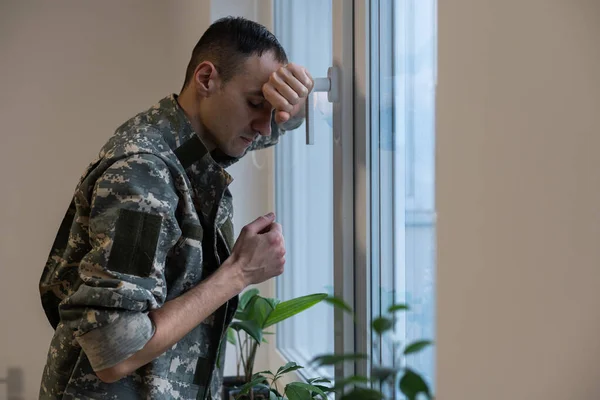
247,140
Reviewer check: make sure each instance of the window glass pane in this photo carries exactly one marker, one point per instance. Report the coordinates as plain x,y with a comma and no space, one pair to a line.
304,196
403,74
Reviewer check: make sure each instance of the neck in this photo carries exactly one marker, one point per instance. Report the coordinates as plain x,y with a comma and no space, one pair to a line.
190,104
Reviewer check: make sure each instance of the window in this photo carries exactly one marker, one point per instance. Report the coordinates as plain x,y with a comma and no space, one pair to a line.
402,115
359,204
304,188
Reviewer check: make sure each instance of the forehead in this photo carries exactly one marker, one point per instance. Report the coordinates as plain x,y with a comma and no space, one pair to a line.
256,70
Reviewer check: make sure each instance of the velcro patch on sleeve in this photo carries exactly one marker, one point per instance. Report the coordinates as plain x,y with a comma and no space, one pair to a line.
135,242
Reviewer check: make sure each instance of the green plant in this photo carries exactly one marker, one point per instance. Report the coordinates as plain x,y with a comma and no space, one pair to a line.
254,315
313,388
383,378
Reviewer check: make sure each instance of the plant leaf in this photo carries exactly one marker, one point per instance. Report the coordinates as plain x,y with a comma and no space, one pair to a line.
310,388
256,375
332,359
318,380
417,346
382,373
339,303
258,310
411,384
231,336
249,327
272,302
398,307
315,382
351,380
289,308
246,297
289,367
326,389
297,393
241,315
382,324
254,382
362,394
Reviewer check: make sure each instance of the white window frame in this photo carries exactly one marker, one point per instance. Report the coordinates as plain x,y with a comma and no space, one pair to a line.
352,127
350,194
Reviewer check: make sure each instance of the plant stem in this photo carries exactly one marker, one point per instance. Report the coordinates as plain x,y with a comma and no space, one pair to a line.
241,348
276,388
247,352
250,360
247,371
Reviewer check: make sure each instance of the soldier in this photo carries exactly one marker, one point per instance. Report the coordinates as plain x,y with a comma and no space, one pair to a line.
143,277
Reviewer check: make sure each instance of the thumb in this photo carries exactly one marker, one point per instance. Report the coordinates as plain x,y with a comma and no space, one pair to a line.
261,223
281,117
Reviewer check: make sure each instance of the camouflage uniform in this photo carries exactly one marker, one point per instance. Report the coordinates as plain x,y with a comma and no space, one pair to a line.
151,217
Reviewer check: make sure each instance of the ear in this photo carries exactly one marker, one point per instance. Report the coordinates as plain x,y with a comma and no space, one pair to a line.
206,79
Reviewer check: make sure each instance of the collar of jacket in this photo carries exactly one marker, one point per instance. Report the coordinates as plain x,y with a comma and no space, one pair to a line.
205,169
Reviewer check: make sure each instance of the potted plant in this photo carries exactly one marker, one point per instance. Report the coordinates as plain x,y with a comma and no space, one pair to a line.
382,381
255,314
267,381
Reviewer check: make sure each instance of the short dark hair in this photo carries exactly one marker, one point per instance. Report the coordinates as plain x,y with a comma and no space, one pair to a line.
228,42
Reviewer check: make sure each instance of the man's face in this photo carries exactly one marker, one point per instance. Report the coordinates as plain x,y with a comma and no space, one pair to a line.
237,112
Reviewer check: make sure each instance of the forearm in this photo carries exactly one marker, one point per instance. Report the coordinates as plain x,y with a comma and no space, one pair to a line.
179,316
277,129
296,118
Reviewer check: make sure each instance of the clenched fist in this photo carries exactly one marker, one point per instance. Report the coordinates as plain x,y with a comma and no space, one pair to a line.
259,252
286,91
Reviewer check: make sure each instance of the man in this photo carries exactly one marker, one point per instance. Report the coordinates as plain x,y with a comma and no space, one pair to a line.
143,277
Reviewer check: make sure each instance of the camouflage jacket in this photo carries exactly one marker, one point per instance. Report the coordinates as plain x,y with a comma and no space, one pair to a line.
151,217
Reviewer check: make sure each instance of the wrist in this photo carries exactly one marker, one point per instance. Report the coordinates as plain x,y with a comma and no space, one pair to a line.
231,271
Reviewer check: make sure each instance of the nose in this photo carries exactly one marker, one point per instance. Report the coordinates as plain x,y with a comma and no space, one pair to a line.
262,124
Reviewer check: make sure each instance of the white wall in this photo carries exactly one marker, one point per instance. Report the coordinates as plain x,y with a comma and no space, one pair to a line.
519,200
71,72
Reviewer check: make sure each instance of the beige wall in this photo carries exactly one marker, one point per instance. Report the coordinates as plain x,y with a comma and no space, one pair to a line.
71,72
519,200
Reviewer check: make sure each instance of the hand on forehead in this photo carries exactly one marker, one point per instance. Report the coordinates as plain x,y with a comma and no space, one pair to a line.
287,89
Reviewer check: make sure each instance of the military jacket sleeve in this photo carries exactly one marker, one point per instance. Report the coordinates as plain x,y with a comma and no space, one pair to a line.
263,142
132,227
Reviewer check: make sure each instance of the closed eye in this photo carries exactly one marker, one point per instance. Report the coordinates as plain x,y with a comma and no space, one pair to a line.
255,105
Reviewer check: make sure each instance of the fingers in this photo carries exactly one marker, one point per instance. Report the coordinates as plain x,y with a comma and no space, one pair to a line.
282,117
260,224
288,87
301,76
274,234
275,98
275,227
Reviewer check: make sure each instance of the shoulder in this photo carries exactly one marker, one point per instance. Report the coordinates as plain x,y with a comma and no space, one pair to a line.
133,146
137,135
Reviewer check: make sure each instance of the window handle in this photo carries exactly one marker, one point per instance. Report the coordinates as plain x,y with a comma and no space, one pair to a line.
329,85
